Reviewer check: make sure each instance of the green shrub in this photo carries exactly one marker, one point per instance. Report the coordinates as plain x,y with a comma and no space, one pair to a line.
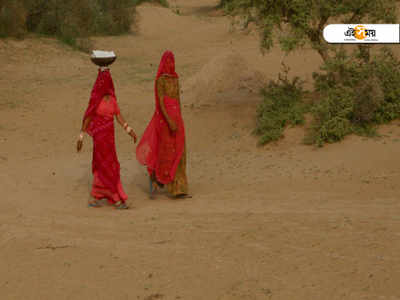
387,70
356,94
12,19
161,2
225,4
332,117
71,21
85,17
282,106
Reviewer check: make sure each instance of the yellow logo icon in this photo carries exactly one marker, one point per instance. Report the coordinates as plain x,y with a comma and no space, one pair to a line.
360,32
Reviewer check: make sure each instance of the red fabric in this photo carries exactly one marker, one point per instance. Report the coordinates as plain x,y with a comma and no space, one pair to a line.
160,149
100,191
103,86
105,164
108,109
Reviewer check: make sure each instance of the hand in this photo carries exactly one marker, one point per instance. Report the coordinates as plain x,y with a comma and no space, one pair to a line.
172,126
79,145
133,134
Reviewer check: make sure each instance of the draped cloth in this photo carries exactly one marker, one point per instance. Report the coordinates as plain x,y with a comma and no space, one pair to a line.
105,164
160,149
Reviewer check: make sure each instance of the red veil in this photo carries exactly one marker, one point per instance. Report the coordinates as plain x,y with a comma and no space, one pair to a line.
159,148
103,86
105,162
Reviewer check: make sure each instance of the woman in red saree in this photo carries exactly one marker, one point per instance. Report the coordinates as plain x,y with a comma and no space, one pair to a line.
98,122
162,147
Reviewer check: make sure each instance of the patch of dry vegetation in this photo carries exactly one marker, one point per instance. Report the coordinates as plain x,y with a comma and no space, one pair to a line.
71,21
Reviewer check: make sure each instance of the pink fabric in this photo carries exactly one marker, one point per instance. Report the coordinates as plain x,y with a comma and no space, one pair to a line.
171,144
108,109
160,149
105,164
103,86
100,191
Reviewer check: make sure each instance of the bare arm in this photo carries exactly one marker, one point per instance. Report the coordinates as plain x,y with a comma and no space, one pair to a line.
179,95
120,119
85,125
124,124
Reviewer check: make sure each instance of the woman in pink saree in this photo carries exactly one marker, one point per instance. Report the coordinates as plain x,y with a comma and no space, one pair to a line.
98,122
162,147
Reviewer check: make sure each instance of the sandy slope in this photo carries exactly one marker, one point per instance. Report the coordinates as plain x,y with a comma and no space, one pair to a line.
286,221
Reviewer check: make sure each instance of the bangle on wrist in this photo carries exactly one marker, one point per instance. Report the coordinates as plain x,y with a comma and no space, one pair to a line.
128,129
125,125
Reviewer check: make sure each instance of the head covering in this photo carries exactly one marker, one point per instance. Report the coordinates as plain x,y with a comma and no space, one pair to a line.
103,86
165,68
147,149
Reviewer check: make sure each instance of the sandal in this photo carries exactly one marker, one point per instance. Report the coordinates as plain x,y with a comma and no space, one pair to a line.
183,196
94,203
153,188
120,205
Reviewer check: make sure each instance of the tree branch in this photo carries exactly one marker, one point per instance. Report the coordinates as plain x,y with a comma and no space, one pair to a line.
314,35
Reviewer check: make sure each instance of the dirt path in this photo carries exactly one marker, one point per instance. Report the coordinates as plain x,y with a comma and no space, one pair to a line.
286,221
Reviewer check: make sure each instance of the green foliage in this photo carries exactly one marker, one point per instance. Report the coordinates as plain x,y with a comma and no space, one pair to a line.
163,3
71,21
356,95
357,92
301,22
282,106
12,19
331,117
79,17
388,72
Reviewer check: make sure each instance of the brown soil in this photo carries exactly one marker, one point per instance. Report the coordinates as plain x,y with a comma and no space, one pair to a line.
286,221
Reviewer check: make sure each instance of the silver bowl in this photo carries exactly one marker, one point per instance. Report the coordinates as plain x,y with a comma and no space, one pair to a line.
103,61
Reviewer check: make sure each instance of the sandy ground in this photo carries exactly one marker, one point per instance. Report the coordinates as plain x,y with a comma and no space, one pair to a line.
286,221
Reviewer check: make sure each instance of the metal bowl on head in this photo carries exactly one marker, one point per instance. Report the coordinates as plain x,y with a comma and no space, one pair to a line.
103,61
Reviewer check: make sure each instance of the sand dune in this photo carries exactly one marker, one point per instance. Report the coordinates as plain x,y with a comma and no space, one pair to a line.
222,79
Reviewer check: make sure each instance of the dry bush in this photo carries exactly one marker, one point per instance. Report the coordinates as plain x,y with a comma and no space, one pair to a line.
12,19
71,21
364,95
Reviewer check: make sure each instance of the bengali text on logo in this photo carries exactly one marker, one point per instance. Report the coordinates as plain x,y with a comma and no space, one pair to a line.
362,33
